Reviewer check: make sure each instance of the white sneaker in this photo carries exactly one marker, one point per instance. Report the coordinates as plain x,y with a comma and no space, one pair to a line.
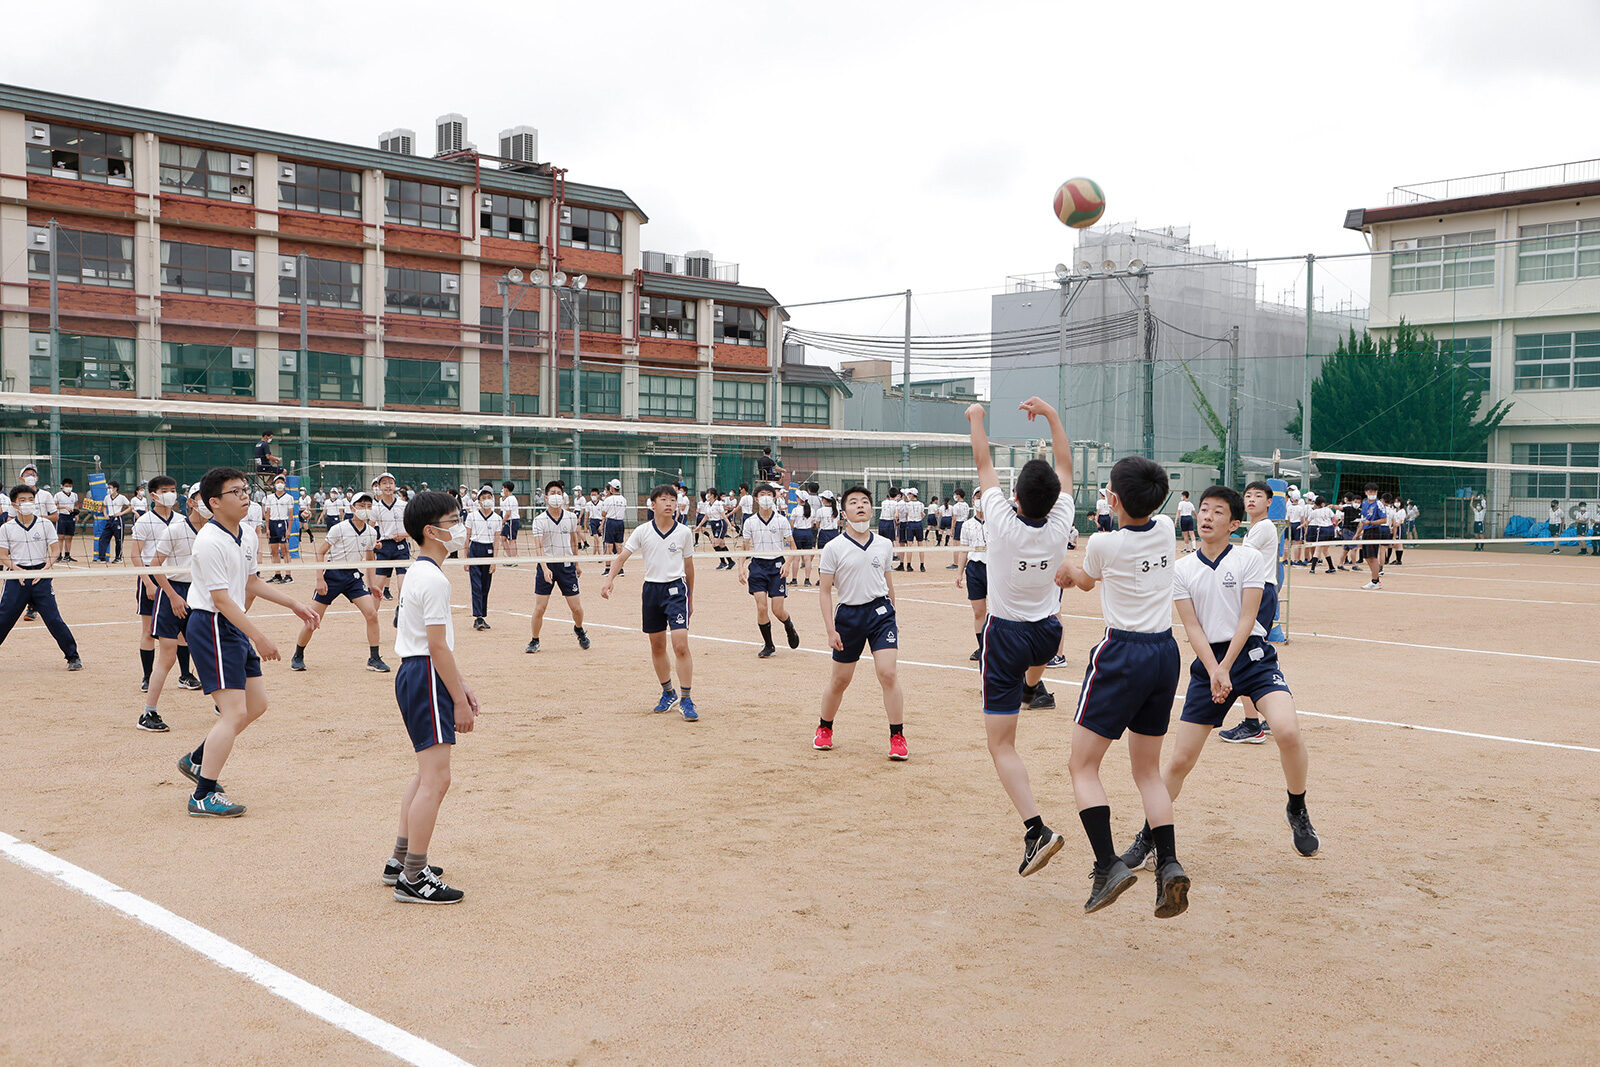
1372,585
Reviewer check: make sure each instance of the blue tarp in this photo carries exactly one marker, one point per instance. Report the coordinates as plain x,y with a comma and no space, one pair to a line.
1527,526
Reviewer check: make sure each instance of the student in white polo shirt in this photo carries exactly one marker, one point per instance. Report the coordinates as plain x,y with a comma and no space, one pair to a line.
668,594
616,511
389,511
858,564
1263,537
555,533
279,507
67,519
227,644
334,506
174,548
974,573
767,533
117,508
147,532
351,542
484,528
29,543
510,517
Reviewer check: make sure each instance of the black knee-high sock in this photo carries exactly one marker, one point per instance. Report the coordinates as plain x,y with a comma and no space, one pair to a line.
1166,849
1097,824
766,631
147,660
183,659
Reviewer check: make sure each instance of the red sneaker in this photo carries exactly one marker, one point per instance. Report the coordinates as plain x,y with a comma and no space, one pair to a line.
823,740
897,747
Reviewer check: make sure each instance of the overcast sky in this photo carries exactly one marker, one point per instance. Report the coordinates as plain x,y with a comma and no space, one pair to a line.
835,149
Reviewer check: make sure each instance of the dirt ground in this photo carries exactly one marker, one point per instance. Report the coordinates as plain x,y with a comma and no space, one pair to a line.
644,889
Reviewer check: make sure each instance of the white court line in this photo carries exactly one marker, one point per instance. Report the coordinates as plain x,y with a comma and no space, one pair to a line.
1513,581
297,991
1449,648
1177,699
1332,587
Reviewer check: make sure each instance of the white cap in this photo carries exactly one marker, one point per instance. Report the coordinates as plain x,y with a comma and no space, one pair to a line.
614,484
827,494
381,477
912,490
194,491
359,497
483,490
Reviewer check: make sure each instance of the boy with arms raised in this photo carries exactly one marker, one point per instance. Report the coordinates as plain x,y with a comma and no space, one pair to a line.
1026,544
352,541
435,700
225,640
858,564
668,594
1217,592
555,533
1130,679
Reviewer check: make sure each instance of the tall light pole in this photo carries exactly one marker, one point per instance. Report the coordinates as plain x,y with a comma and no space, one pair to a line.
55,359
304,367
1305,389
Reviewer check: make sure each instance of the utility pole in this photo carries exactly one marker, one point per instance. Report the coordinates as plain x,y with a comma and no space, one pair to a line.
304,367
577,376
505,377
1148,338
905,394
1305,395
55,359
1230,461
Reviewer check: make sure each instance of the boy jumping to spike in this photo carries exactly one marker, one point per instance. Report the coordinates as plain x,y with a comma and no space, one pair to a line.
668,549
1026,544
1130,679
858,564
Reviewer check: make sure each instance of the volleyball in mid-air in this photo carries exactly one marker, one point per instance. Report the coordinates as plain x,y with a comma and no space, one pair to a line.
1080,203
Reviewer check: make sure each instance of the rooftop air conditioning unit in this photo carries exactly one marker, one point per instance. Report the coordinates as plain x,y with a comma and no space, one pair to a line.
451,133
519,145
401,142
699,264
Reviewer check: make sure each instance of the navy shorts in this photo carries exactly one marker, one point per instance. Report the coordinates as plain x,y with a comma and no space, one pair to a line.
824,536
944,522
871,625
223,656
913,532
1129,684
277,531
389,549
331,521
977,580
147,606
1477,527
955,530
511,528
1009,650
1297,533
1267,614
886,530
1186,524
425,704
563,576
347,584
766,576
1254,675
165,624
614,531
1103,522
594,527
719,528
66,526
805,538
666,606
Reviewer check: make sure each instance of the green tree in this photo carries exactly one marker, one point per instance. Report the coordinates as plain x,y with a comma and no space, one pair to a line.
1211,457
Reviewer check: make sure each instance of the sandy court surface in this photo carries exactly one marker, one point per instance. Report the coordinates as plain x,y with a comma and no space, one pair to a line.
643,889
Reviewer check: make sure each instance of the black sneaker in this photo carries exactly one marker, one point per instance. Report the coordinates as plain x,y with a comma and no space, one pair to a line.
188,681
977,654
30,614
583,638
1247,732
533,646
1041,698
387,595
375,663
287,578
479,623
766,652
1306,841
427,889
794,635
1172,890
144,686
923,567
1110,882
276,579
1141,852
392,869
1057,660
1037,850
74,664
151,721
297,663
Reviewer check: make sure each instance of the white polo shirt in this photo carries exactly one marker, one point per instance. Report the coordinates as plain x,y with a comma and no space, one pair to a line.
594,509
29,545
279,508
483,529
253,519
827,517
860,571
346,544
799,520
424,602
148,530
1217,587
220,561
117,506
959,511
1134,567
555,533
975,539
1263,537
747,504
767,536
616,506
176,547
914,510
510,506
663,553
391,518
1023,557
1185,509
66,503
715,512
334,506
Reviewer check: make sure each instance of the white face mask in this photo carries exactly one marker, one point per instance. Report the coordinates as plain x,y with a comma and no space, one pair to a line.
167,500
25,510
363,514
555,500
859,527
199,508
487,503
458,538
764,501
29,479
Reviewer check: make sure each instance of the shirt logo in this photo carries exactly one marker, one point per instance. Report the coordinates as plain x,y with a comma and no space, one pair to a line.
1228,580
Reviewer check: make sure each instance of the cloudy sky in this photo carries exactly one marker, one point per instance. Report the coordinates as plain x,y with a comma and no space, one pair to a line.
836,149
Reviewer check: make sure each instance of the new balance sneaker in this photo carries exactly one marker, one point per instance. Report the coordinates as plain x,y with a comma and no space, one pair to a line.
824,739
1057,660
583,638
1306,841
1037,850
669,700
215,805
533,646
297,663
1040,697
144,686
687,707
1109,881
766,652
427,889
392,869
188,681
375,663
1172,890
897,747
151,720
1141,853
1248,732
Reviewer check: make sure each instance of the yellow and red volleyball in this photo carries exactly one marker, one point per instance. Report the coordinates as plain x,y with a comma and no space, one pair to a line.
1080,203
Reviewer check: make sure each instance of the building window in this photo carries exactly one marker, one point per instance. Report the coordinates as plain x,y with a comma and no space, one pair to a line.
206,172
330,283
669,317
511,217
521,403
602,391
302,187
600,311
1556,486
422,381
86,362
806,404
1472,354
739,401
588,228
334,376
1559,251
524,327
206,270
436,207
74,152
422,292
1449,261
85,258
209,370
1558,360
664,396
741,326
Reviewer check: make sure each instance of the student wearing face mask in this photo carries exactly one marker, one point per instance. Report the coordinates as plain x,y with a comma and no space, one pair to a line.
352,541
510,518
29,544
280,509
174,547
117,507
767,533
555,533
484,526
147,533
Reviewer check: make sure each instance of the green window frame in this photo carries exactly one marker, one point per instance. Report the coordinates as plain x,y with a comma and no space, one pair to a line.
1558,251
206,270
736,401
87,362
421,382
1447,261
602,391
807,405
205,370
334,377
667,396
521,403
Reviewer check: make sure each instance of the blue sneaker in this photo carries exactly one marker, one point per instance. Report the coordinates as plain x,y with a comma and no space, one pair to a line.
687,707
187,768
669,700
216,805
